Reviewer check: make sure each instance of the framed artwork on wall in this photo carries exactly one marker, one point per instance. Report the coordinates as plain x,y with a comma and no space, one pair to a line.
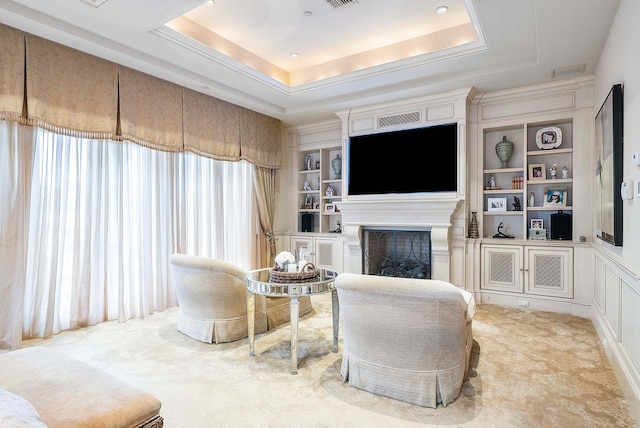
609,149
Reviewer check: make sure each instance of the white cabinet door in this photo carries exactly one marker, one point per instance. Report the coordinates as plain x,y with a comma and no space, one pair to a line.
306,242
549,271
325,253
322,252
502,268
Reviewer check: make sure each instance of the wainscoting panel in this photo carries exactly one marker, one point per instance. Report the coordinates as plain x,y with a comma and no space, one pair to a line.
612,299
598,288
630,331
616,317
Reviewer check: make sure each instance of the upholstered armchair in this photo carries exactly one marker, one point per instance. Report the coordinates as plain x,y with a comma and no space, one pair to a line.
404,338
213,304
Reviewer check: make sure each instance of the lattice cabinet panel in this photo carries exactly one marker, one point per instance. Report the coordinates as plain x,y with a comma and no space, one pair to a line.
549,271
502,268
535,270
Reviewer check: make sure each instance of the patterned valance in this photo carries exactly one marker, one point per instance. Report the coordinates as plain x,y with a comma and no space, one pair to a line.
11,73
211,126
150,111
70,92
260,138
74,93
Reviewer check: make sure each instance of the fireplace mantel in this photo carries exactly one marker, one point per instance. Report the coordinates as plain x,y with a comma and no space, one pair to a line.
428,214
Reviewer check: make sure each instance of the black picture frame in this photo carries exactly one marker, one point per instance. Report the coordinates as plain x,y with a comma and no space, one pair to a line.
609,167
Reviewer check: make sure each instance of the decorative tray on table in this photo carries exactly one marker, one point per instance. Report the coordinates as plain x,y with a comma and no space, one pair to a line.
308,273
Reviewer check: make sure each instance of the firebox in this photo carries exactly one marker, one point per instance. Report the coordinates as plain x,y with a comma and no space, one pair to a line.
399,253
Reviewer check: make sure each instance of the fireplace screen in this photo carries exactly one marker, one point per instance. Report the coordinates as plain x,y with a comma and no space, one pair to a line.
399,253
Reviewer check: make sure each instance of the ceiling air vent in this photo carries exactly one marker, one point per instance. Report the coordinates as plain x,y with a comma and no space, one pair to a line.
340,3
573,70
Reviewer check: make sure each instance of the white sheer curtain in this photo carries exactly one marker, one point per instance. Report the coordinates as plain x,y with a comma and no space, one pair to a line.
87,227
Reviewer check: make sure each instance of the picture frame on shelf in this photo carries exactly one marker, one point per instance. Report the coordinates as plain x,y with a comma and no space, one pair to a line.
537,223
316,205
549,138
308,203
555,197
537,171
496,204
329,208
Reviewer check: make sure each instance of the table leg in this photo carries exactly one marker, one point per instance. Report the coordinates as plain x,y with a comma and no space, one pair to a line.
294,312
335,311
251,319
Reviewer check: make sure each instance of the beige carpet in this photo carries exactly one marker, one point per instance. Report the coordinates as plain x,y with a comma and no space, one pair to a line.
532,369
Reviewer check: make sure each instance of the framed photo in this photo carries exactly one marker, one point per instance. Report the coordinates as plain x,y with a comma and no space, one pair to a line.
316,205
329,208
537,171
308,203
549,138
555,197
496,204
537,223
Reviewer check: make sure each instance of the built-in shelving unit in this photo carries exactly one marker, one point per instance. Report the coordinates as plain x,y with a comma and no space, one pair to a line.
319,188
519,179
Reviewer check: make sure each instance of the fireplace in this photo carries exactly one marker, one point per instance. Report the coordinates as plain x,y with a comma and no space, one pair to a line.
398,253
429,214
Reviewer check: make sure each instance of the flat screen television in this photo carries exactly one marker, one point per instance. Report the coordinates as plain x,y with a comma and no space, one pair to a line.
420,160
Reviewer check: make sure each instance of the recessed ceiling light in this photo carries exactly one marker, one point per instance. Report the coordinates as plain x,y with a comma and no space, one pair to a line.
210,3
294,55
442,9
308,13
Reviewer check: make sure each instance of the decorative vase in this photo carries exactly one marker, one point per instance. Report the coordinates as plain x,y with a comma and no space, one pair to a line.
504,150
473,226
336,164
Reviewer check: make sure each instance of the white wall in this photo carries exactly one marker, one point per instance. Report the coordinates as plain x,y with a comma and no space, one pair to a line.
617,269
620,63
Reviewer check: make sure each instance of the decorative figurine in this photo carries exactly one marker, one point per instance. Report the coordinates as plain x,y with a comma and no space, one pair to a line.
532,200
500,234
553,171
329,191
516,204
306,186
492,181
307,162
338,229
565,172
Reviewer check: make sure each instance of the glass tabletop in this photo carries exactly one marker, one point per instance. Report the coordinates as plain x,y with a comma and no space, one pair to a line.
259,282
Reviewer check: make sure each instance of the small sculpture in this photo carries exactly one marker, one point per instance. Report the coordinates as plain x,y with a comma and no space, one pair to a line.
553,171
492,181
329,191
338,229
565,172
306,186
307,162
500,234
516,204
532,200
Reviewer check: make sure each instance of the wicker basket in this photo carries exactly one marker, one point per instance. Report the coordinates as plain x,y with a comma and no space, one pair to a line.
309,273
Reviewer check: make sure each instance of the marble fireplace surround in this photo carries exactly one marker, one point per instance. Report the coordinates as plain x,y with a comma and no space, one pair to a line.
434,215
